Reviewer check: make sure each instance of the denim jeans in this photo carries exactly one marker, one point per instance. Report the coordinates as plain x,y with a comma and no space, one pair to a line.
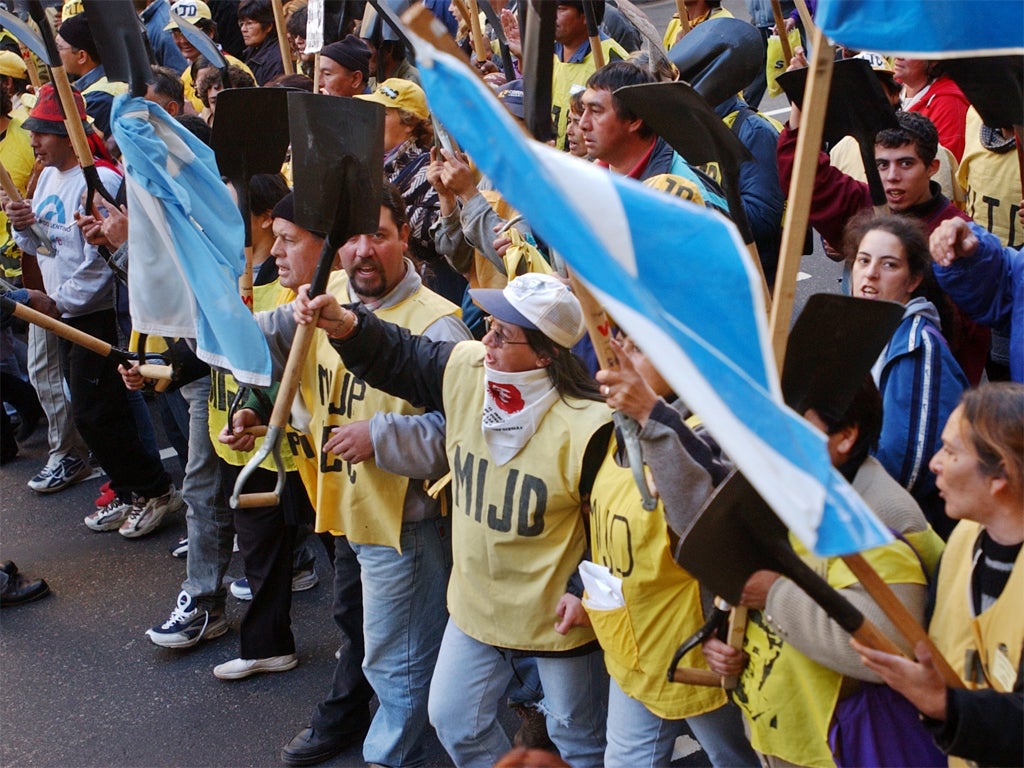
470,679
638,738
404,615
209,519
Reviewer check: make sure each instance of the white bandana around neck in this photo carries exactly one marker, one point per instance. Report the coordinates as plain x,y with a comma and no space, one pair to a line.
514,404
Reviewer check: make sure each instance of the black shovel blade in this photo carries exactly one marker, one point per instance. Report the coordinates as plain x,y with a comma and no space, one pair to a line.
117,32
25,35
719,57
46,33
538,66
737,534
337,164
250,132
832,347
857,105
994,85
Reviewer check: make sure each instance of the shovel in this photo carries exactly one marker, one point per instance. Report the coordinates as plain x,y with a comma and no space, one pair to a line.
243,152
42,242
162,374
337,154
995,87
719,58
538,67
117,33
75,129
27,36
499,32
203,43
857,106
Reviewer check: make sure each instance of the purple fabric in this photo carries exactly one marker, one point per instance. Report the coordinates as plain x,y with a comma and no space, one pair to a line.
878,727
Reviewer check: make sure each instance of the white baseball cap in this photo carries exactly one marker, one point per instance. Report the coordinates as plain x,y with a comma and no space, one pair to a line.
541,302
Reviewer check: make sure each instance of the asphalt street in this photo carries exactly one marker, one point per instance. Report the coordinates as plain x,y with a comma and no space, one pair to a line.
83,686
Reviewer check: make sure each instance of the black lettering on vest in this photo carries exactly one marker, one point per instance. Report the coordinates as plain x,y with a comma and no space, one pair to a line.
462,472
338,410
300,445
991,204
531,514
324,380
481,479
1011,237
328,463
504,523
352,389
621,538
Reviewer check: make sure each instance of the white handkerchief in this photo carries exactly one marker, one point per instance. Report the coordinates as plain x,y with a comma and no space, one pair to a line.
603,590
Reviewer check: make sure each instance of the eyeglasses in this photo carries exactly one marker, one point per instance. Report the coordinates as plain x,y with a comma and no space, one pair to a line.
499,338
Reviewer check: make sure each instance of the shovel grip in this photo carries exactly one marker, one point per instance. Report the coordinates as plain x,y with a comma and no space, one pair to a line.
704,677
264,499
65,331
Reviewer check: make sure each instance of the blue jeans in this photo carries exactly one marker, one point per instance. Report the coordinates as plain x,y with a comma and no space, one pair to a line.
209,519
638,738
404,615
470,679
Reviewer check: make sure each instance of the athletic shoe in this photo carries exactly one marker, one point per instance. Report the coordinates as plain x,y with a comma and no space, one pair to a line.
107,495
188,624
110,517
236,669
65,472
146,514
181,548
301,581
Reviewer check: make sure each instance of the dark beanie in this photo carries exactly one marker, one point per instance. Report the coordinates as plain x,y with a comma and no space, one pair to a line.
352,53
285,209
76,32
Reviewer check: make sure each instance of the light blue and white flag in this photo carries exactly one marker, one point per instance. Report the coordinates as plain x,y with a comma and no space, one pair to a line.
925,29
185,243
677,278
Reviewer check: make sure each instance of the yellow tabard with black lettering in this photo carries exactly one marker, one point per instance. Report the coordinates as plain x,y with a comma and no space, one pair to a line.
567,74
996,634
359,501
517,529
789,699
223,388
662,600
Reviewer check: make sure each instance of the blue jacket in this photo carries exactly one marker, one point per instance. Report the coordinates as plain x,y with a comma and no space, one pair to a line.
921,384
989,287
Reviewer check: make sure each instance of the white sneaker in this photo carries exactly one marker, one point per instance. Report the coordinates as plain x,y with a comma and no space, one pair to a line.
110,517
146,514
68,471
236,669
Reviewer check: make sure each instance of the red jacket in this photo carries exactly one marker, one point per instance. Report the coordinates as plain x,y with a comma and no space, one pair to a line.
946,106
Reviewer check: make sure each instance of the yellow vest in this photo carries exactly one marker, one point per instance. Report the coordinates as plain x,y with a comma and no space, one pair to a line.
517,529
223,388
674,25
992,181
103,85
662,600
995,635
566,75
789,699
18,158
359,501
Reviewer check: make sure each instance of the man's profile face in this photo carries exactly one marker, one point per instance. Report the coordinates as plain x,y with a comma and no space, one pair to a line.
905,177
296,251
337,80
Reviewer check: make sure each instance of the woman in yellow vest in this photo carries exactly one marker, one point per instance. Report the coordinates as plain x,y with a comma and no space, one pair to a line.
525,430
661,602
977,623
797,673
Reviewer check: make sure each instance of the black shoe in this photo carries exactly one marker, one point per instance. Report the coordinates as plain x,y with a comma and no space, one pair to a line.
19,590
310,747
9,567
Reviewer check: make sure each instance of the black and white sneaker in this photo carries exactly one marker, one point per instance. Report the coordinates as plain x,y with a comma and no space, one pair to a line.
188,624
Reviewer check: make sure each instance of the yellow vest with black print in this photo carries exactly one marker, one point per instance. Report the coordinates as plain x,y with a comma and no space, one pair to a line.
662,600
994,637
568,74
788,699
359,501
517,529
223,388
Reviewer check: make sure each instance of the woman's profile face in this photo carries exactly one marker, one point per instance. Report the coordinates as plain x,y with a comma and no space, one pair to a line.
881,270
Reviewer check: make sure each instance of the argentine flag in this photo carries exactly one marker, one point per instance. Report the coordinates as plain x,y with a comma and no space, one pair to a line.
925,29
676,277
185,243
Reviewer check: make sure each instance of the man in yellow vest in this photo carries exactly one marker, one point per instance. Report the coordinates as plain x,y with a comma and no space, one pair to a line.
394,527
81,60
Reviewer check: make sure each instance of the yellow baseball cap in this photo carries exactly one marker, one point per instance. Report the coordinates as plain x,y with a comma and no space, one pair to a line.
400,94
12,65
190,10
71,8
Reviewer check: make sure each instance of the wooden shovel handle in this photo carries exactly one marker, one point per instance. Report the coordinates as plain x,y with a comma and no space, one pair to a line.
301,344
261,499
480,48
10,189
898,614
76,132
780,25
282,38
65,331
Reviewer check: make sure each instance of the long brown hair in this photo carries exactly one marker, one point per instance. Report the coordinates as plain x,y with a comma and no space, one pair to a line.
993,425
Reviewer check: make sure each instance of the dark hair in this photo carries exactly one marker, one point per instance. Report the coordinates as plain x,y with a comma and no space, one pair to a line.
914,129
6,102
565,370
237,78
195,125
578,5
618,74
294,82
266,191
392,200
260,11
167,83
911,235
296,24
863,412
395,48
993,425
